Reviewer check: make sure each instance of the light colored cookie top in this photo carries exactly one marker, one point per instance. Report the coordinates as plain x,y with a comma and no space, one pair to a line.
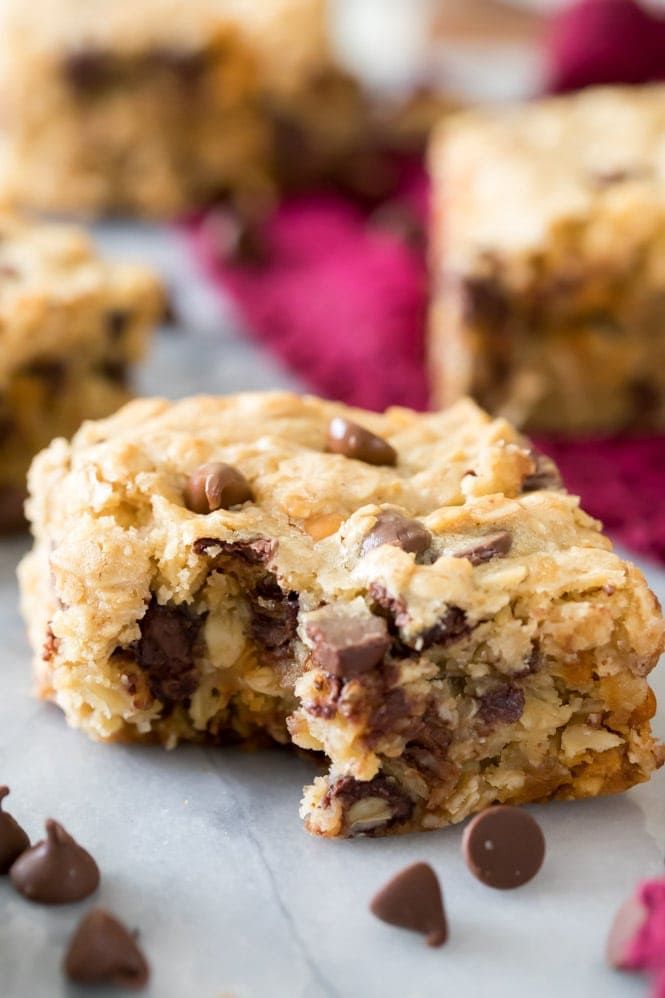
511,179
109,512
53,287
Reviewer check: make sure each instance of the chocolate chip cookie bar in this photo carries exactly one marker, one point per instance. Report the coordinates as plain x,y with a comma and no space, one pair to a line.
415,597
549,261
159,106
71,325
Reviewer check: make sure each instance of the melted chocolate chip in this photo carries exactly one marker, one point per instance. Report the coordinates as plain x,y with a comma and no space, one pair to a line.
216,486
413,900
400,531
347,645
496,545
13,840
103,951
165,651
504,847
502,705
399,807
451,626
88,70
56,870
354,441
259,551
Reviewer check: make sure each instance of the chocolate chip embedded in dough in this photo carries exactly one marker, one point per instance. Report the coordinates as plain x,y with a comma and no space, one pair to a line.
545,474
347,645
56,870
495,545
502,705
400,531
13,840
87,70
166,651
503,847
103,951
413,900
216,486
352,440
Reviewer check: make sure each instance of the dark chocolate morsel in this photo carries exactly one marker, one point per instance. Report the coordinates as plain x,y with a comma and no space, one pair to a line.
216,486
13,840
503,847
56,870
347,645
165,651
103,951
413,900
400,531
628,921
371,805
544,476
352,440
496,545
502,705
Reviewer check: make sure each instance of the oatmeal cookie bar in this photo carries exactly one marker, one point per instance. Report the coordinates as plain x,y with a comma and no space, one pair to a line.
71,325
415,596
549,261
160,106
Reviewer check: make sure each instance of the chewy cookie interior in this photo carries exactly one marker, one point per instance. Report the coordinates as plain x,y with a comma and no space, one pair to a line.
415,596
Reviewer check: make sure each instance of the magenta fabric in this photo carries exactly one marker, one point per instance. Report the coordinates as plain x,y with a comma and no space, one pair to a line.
342,296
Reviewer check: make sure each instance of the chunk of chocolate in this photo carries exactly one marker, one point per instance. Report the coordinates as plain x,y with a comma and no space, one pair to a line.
503,847
451,626
274,616
216,486
502,705
103,951
372,805
13,840
352,440
495,545
55,871
165,651
347,644
400,531
413,900
544,476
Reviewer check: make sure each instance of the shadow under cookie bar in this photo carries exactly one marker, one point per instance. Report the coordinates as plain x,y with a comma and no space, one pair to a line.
549,289
72,328
476,641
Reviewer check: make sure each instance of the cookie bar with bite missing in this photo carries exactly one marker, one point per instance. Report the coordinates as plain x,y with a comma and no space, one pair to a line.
71,327
415,596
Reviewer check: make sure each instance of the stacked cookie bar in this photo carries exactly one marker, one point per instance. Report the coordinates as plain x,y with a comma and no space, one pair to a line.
71,325
548,261
415,596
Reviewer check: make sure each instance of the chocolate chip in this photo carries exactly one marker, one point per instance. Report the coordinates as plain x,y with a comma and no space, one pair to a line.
496,545
412,900
504,704
371,805
56,870
216,486
259,551
544,476
274,616
13,840
103,951
451,626
399,531
503,847
352,440
87,70
628,921
347,644
165,651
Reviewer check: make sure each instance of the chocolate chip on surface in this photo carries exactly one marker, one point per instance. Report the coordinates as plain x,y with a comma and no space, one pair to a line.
216,486
352,440
413,900
347,644
495,545
56,870
503,847
103,951
400,531
13,840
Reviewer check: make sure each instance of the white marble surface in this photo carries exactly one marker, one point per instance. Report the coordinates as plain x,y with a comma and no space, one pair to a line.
204,852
